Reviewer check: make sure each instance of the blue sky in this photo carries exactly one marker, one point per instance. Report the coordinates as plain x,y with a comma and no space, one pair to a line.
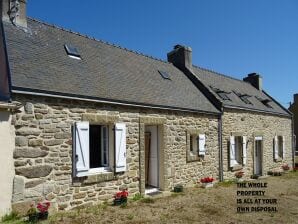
233,37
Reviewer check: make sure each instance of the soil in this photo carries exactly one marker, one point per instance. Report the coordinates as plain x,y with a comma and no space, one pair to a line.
197,205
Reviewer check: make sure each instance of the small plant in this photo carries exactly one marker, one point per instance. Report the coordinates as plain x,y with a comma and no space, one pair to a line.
207,180
239,174
178,188
40,212
130,216
254,176
270,172
120,197
285,167
137,197
10,217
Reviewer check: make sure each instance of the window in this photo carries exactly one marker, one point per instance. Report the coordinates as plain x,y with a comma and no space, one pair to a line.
197,147
98,146
237,150
222,94
243,97
279,147
265,102
72,51
95,145
165,75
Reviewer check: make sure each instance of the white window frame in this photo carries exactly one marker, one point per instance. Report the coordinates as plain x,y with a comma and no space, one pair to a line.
234,150
82,152
279,141
197,145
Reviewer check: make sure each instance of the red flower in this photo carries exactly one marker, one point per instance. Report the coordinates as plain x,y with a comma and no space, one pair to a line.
239,174
121,194
43,206
207,180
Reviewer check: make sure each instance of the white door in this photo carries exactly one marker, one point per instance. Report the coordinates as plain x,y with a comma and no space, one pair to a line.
152,157
258,156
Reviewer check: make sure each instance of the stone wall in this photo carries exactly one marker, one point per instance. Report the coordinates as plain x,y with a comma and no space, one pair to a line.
7,167
43,151
252,124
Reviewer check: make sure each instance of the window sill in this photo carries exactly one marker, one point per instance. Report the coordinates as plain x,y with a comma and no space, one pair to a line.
194,158
237,167
278,160
93,178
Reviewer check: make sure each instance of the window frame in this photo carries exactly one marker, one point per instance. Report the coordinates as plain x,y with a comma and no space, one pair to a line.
111,151
106,168
193,145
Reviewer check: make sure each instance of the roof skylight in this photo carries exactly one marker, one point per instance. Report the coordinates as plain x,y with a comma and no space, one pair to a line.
165,75
72,51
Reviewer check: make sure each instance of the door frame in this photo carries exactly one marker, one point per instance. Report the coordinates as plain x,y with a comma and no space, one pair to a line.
258,138
149,168
162,154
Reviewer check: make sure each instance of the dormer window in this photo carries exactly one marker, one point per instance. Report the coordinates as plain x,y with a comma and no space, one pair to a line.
222,94
265,102
243,97
72,51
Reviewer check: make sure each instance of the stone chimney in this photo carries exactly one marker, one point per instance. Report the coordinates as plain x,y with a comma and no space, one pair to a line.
255,80
14,11
296,98
181,57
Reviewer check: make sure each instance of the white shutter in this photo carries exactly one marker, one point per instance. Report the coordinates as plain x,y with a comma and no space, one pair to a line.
232,151
120,147
275,145
283,147
202,142
244,149
81,146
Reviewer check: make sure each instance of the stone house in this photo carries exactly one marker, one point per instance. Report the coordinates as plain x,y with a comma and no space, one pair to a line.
81,118
255,130
294,109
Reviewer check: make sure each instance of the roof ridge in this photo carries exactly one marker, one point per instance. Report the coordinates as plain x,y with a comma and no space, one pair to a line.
98,40
217,73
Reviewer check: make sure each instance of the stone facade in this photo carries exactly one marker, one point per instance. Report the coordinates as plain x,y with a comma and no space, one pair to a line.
251,124
43,151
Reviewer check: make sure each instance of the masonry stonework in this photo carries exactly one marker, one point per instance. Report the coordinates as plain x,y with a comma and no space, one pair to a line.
43,151
253,124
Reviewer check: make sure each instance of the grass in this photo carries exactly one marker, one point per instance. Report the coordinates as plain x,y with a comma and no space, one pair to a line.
148,200
11,217
226,183
290,175
130,216
137,197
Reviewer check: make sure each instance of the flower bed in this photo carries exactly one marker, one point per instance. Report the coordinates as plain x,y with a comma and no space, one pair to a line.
207,182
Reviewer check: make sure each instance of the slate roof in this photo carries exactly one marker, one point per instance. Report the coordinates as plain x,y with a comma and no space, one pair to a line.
39,63
215,81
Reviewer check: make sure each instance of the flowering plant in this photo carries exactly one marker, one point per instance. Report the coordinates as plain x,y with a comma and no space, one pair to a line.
285,167
239,174
121,194
40,212
43,207
121,197
207,180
